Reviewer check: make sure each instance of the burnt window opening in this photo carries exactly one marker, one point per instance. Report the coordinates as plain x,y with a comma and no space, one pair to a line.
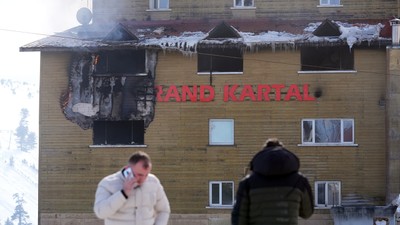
118,132
120,62
327,58
222,60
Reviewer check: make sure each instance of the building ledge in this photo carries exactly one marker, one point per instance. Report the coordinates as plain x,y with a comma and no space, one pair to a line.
117,146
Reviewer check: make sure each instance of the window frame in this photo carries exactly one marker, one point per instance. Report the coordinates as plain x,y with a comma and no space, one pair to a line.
316,192
103,125
342,141
206,58
152,5
329,4
109,62
242,4
231,135
220,200
320,53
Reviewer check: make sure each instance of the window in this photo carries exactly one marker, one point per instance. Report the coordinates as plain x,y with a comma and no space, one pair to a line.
328,131
219,60
327,193
159,4
118,132
327,58
221,132
221,193
120,62
329,2
243,3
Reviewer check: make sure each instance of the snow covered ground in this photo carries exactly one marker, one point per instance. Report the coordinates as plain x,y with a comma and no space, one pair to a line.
21,176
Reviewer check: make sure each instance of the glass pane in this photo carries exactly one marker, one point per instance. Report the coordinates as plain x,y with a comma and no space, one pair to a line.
164,4
324,2
327,131
215,194
227,189
307,131
154,4
333,193
348,131
321,194
221,132
238,2
248,2
335,2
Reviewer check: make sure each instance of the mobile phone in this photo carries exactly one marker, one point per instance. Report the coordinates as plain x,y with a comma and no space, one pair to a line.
128,173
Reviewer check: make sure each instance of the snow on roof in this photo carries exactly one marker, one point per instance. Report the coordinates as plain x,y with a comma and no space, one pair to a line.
168,37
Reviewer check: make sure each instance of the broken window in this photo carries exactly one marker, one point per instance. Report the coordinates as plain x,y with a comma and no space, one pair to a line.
328,131
327,58
120,62
244,3
118,132
327,193
219,60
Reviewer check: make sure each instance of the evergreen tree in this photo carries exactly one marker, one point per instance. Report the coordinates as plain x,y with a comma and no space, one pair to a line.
26,140
8,222
19,213
11,161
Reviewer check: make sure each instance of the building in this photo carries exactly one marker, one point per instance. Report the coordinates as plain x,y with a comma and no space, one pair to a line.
201,85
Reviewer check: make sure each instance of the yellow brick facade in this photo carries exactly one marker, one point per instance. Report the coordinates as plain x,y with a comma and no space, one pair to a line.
177,139
106,11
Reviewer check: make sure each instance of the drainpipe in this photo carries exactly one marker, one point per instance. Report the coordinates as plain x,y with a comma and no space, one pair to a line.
393,114
395,23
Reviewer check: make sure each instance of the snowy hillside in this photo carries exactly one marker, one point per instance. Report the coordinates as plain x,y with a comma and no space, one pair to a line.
18,169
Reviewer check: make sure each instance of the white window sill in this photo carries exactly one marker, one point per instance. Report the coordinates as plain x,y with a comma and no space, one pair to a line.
220,207
329,6
324,207
326,71
243,7
158,10
220,73
328,145
118,146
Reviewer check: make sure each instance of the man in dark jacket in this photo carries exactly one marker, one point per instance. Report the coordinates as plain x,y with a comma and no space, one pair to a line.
275,193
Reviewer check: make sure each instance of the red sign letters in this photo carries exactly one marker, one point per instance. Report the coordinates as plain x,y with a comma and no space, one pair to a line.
234,93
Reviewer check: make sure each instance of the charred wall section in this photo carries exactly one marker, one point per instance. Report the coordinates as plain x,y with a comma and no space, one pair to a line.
110,86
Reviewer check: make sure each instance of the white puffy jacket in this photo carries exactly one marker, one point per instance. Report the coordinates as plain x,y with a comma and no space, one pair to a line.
146,205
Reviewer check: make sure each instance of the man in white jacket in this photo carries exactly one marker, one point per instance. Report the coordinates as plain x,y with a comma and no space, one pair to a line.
132,195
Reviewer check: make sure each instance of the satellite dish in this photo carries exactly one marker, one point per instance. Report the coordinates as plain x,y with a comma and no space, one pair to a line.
84,16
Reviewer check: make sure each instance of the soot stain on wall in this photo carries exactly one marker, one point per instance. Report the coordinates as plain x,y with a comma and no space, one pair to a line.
109,96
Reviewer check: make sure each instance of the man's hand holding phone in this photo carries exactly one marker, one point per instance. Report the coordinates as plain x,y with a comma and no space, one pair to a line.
130,181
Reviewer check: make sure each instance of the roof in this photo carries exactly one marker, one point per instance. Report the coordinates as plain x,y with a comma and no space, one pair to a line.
186,35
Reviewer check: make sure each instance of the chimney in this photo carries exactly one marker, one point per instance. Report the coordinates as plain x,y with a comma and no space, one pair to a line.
395,23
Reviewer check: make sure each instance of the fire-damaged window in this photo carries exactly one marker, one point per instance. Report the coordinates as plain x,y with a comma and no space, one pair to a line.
120,62
327,58
328,131
118,132
219,60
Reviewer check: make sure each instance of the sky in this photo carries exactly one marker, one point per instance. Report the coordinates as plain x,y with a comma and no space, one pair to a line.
24,21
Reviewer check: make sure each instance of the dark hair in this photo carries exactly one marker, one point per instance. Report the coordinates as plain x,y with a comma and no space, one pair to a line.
272,142
140,156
